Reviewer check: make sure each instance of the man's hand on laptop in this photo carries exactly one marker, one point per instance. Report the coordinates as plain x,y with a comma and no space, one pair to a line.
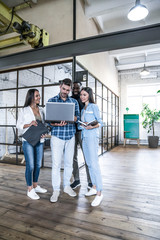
61,124
75,119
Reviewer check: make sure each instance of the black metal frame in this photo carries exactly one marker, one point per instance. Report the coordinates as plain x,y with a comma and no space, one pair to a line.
42,85
112,93
105,42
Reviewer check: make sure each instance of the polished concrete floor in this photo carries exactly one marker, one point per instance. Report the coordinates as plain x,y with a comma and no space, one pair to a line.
130,209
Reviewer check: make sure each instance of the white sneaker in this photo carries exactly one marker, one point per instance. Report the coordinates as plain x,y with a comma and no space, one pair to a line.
91,192
69,191
54,197
97,200
40,190
31,194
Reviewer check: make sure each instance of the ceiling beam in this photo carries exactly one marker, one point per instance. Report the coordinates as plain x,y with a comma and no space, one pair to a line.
106,42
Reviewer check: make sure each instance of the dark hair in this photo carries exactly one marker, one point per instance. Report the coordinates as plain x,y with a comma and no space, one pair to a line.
90,92
66,81
30,97
78,82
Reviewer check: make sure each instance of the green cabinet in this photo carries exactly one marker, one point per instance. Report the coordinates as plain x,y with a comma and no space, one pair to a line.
131,126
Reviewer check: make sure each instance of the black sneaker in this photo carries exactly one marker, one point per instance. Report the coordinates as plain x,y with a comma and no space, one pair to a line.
75,184
90,185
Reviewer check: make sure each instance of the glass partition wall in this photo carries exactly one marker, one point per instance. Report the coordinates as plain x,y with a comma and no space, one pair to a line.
14,86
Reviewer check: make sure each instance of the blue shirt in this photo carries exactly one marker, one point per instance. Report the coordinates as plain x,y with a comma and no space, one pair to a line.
91,113
68,131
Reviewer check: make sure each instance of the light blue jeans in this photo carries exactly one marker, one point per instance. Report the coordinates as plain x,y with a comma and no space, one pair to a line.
62,149
90,150
78,140
33,158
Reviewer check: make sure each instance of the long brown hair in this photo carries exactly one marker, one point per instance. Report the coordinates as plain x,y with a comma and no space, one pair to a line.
30,97
90,92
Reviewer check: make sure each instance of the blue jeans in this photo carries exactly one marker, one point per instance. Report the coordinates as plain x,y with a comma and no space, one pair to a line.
90,150
33,158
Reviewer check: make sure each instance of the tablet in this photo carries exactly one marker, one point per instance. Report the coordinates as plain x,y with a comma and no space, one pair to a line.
59,111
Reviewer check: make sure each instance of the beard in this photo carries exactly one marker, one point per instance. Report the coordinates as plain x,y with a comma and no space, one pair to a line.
64,95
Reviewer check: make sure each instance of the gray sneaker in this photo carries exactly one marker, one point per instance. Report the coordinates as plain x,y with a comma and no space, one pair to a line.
54,197
70,191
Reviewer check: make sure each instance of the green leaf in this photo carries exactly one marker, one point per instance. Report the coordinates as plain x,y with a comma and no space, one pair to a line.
150,117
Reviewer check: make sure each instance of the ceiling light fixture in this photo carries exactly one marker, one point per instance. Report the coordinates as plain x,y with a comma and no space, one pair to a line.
144,71
138,12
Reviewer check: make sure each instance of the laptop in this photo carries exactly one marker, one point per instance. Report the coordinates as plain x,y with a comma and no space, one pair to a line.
59,111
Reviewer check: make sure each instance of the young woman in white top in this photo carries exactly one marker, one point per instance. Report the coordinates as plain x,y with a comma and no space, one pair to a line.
33,155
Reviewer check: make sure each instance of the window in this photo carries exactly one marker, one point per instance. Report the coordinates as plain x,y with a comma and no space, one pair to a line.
14,86
139,94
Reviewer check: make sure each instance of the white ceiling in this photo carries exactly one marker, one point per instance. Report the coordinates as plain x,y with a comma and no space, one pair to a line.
111,16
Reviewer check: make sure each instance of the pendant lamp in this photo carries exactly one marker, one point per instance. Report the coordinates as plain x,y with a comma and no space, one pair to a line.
144,71
138,12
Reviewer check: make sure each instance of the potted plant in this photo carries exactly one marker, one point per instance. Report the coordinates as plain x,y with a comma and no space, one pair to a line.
150,117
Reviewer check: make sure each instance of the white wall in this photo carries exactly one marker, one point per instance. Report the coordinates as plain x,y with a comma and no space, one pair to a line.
126,80
101,65
86,27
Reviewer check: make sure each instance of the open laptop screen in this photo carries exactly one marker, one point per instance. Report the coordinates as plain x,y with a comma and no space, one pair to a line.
59,111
